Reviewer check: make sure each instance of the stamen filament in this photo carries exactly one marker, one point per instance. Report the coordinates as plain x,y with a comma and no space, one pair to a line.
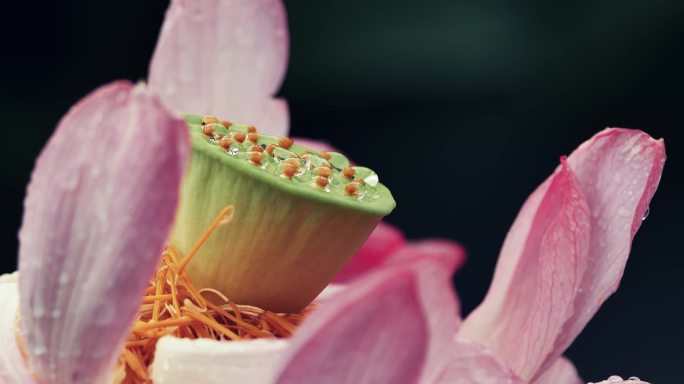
172,305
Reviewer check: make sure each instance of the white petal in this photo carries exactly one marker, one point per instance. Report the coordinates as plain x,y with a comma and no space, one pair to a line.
12,367
206,361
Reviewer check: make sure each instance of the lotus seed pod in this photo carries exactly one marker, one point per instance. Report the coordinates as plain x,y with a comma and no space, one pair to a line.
296,222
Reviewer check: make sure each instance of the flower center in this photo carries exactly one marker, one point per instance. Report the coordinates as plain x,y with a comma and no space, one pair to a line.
172,305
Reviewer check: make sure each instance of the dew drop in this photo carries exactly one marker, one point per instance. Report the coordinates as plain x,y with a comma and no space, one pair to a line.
39,349
648,211
37,307
63,277
622,211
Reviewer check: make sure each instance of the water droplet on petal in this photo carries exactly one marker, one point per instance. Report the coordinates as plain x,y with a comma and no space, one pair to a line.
648,211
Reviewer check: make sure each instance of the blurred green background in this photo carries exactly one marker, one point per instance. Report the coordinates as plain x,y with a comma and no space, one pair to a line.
463,108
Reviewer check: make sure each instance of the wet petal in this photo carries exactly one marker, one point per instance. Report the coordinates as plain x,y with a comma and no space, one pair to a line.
384,326
224,58
619,171
99,206
561,261
539,272
181,361
12,366
384,240
562,371
471,363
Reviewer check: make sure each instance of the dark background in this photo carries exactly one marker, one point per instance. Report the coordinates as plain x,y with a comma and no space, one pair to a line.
463,108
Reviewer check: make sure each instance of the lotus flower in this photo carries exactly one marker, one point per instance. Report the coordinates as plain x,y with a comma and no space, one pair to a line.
102,199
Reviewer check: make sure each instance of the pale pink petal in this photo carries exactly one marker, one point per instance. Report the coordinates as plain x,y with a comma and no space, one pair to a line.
225,58
315,144
562,371
12,366
101,201
451,254
384,240
329,292
273,118
539,272
471,363
620,380
183,361
381,329
549,283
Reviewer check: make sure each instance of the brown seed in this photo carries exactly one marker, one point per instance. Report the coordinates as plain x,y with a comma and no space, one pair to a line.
285,142
289,170
208,119
240,137
251,129
360,181
256,157
293,162
349,172
256,148
322,182
270,148
325,155
323,171
209,129
253,137
225,142
226,123
351,189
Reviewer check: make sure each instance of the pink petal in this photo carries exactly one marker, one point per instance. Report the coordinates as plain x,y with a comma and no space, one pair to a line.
225,58
471,363
12,366
434,262
619,171
392,326
384,240
556,269
99,206
562,371
539,272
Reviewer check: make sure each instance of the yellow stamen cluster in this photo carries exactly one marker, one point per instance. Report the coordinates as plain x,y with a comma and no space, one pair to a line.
172,305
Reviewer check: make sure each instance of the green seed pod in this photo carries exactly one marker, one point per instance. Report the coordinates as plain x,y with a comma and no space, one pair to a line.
296,223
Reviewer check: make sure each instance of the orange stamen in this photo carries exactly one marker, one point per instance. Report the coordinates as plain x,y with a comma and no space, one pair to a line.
351,189
322,182
349,172
285,142
173,306
225,142
208,119
224,217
